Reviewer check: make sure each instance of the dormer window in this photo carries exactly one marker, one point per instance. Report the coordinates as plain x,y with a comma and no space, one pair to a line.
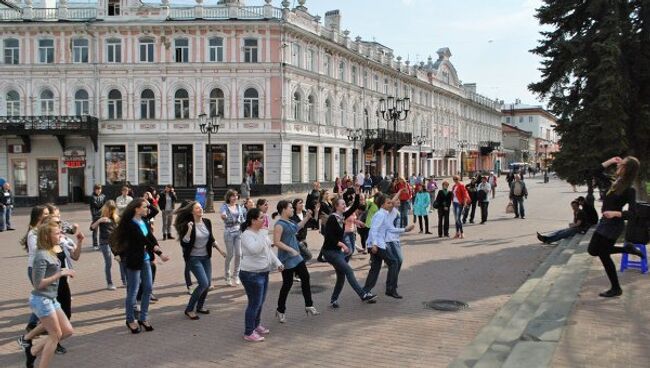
113,7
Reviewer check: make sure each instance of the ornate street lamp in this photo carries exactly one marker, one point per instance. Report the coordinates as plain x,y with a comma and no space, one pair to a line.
355,135
419,141
394,109
209,126
462,144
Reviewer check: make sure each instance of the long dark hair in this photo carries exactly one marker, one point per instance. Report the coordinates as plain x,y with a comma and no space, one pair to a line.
282,205
260,202
34,220
184,215
118,238
295,204
251,215
629,175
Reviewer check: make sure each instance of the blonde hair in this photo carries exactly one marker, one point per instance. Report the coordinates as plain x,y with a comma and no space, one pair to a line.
43,235
109,209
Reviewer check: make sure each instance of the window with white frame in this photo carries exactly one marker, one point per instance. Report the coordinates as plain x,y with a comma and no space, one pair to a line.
327,65
353,75
182,50
310,109
217,103
13,103
354,116
147,47
114,104
386,85
113,7
215,49
297,106
251,103
376,86
328,112
11,51
365,79
181,104
80,50
147,104
342,112
296,52
46,51
342,71
81,103
250,50
310,58
47,102
114,50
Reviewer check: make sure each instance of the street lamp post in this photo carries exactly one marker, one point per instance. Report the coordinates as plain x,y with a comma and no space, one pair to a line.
354,135
394,109
419,141
462,144
209,126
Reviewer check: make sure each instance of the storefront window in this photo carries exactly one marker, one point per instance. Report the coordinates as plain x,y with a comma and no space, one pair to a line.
313,163
343,161
148,164
115,161
328,164
253,161
20,177
296,160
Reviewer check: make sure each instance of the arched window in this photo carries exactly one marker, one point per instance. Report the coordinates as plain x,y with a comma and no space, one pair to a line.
147,104
47,102
217,103
181,104
114,104
251,103
310,109
81,102
297,106
13,103
328,112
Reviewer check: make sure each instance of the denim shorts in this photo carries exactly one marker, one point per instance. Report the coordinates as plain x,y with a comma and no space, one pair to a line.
43,306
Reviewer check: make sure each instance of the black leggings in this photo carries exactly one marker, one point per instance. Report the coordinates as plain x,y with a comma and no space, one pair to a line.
64,297
603,248
426,222
287,282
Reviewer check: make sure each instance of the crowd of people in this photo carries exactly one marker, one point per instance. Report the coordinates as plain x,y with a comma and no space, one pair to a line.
377,210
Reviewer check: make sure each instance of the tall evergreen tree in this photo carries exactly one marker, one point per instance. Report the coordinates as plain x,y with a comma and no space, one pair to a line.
595,74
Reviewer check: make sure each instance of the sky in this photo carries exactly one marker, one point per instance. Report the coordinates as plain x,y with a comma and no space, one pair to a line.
489,39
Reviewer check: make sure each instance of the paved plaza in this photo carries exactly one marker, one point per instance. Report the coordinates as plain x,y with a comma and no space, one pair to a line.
484,270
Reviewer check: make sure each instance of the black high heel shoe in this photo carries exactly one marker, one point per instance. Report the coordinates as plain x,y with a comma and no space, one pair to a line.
133,330
147,326
193,318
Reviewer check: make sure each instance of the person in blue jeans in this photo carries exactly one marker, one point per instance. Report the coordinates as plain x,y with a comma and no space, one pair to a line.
106,223
258,259
518,192
136,240
197,243
38,214
579,225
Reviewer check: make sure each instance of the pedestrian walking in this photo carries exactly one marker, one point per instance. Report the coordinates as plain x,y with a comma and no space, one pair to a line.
232,215
123,200
470,210
443,205
29,243
483,196
167,202
257,260
406,195
421,209
460,200
197,243
133,241
6,206
284,238
97,201
518,192
378,248
105,225
612,222
392,237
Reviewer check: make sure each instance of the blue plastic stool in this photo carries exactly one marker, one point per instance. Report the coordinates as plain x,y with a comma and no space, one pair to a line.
641,265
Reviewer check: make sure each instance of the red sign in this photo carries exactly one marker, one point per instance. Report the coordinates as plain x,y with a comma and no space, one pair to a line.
73,164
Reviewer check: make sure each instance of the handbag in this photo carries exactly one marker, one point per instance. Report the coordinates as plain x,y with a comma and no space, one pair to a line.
304,251
510,208
436,205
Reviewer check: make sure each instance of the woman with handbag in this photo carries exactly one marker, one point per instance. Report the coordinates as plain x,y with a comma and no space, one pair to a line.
257,261
442,203
284,238
612,223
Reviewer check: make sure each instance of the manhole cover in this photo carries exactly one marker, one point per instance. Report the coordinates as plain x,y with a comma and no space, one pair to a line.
315,289
446,305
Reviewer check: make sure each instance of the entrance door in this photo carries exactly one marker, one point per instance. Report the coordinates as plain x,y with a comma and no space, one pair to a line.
76,184
182,165
48,180
219,165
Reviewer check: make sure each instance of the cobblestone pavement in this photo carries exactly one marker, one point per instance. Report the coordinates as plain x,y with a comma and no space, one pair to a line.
483,270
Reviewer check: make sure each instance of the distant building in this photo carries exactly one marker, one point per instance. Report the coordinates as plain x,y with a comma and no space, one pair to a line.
516,146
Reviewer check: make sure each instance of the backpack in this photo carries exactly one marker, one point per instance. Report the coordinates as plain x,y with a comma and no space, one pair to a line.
518,189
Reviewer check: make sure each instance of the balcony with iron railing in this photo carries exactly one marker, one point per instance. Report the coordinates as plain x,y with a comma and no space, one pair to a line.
58,126
388,139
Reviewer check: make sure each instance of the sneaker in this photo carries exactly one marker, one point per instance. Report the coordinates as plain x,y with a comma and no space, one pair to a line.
237,281
369,298
229,282
60,350
96,248
253,337
190,289
261,330
23,343
152,298
110,287
136,308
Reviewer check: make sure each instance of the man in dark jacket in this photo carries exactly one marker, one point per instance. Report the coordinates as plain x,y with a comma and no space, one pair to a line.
97,201
166,203
313,198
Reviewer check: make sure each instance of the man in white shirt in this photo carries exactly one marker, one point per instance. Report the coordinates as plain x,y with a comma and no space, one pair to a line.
123,200
392,238
377,245
360,178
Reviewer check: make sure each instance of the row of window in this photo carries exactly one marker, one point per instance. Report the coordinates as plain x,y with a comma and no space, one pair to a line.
147,46
45,103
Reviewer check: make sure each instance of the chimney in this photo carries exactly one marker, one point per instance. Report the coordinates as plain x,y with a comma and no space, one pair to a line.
333,20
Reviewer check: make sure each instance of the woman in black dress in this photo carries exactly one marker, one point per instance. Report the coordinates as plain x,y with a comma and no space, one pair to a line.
443,204
612,223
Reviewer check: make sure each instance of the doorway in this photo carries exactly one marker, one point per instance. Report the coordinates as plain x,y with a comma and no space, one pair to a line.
76,187
48,180
182,166
219,164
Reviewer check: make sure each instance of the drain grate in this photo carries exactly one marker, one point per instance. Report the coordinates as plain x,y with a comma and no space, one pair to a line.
315,289
446,305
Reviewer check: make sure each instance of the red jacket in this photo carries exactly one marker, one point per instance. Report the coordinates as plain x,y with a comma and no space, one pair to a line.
406,194
461,193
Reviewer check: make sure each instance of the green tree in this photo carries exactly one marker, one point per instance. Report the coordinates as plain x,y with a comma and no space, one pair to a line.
596,75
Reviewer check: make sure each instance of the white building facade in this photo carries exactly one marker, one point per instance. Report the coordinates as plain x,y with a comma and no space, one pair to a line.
112,95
